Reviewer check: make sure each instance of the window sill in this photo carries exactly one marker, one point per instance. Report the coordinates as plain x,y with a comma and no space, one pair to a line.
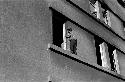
74,57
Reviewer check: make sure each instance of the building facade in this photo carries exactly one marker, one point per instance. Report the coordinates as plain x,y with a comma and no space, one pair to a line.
61,41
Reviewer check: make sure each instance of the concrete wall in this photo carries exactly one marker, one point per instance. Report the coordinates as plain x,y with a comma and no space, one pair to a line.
25,30
117,25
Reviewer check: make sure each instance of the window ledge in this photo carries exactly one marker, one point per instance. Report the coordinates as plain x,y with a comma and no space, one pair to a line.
77,58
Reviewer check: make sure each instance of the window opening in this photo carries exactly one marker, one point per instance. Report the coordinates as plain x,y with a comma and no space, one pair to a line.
111,49
98,41
102,53
58,21
105,15
94,8
62,35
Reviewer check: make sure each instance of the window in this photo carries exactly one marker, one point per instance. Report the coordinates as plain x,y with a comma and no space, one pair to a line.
58,21
105,15
111,49
99,11
107,57
98,41
104,53
62,35
94,8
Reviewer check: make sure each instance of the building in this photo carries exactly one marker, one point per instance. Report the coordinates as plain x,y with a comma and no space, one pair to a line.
61,41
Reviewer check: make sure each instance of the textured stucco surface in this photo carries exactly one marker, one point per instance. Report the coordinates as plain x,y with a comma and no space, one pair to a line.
25,29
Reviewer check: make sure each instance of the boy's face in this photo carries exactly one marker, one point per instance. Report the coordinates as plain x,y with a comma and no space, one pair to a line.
68,33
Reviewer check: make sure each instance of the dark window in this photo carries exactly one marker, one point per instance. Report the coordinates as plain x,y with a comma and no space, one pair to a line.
98,41
57,20
111,49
